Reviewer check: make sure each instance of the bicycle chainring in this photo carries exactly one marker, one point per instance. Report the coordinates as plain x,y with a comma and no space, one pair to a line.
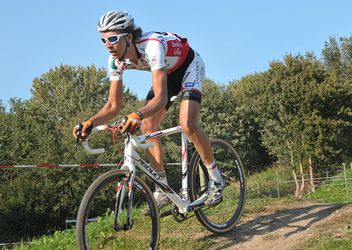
179,217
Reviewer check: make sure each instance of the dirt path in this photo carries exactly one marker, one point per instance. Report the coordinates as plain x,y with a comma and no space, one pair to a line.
285,228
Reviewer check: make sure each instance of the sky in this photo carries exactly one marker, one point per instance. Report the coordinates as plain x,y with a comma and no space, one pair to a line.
235,38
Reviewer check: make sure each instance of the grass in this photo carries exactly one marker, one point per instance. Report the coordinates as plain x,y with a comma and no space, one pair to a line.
327,243
337,234
266,183
192,234
333,235
334,190
60,240
173,235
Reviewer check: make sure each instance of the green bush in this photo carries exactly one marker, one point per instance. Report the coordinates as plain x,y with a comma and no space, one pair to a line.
271,182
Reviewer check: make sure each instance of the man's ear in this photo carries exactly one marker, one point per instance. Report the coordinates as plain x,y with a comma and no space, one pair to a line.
130,37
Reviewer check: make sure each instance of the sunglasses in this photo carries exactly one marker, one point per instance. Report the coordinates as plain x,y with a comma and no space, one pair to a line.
113,39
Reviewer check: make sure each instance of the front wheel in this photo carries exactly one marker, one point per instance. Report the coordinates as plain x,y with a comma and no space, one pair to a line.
109,218
224,216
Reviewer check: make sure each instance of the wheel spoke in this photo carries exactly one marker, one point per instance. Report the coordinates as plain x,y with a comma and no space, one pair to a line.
100,202
224,216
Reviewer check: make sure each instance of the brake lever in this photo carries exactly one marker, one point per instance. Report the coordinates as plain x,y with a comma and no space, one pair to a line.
120,124
79,127
127,136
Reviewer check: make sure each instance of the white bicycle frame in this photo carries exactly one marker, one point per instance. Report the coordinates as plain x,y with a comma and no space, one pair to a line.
133,159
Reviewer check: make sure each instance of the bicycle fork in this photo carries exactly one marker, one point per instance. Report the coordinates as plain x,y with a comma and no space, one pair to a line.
120,195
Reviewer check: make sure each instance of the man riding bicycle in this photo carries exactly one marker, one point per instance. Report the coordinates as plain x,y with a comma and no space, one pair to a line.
175,67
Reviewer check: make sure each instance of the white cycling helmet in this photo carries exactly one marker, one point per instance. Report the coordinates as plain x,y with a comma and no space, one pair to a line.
115,20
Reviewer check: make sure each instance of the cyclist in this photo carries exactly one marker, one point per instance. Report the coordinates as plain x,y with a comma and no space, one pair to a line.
175,67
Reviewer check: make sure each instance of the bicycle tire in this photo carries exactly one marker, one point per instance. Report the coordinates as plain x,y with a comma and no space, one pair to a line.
224,216
102,233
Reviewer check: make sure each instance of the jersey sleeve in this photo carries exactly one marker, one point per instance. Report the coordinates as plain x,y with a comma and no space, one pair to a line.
115,69
155,54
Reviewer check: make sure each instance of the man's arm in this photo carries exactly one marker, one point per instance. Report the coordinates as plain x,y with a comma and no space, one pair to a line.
113,105
159,78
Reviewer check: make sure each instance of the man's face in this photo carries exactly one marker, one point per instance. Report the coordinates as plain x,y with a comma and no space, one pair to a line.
114,42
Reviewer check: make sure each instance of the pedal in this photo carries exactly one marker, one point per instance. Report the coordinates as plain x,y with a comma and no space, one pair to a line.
179,217
166,213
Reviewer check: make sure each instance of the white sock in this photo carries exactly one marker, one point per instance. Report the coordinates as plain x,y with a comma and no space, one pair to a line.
162,175
214,173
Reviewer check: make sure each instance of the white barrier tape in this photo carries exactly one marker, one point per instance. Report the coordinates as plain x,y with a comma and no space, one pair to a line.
61,165
70,165
7,245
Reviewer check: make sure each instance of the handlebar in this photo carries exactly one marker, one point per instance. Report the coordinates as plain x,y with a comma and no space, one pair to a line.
137,141
86,145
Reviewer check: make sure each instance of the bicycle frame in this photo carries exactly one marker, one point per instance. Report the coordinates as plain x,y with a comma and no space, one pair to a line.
132,160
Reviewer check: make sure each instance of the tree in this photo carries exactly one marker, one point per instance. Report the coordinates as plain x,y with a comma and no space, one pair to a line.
38,131
295,105
5,121
244,96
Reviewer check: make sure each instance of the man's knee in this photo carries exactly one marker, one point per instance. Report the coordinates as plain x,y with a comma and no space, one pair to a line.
189,126
152,123
149,125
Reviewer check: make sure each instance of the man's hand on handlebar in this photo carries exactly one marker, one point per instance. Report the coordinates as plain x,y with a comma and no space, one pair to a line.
82,130
132,122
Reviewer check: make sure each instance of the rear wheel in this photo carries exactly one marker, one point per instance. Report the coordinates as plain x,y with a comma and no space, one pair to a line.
224,216
99,227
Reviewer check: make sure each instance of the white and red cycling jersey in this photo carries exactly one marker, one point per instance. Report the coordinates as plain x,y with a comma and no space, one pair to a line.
157,50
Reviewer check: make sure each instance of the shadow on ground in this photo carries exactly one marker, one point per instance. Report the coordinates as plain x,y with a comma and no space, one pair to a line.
293,221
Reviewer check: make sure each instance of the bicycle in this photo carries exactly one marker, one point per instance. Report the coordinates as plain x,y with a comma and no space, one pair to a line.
115,200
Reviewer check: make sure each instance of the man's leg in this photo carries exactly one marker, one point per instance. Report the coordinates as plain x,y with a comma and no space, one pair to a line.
156,156
155,153
189,119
